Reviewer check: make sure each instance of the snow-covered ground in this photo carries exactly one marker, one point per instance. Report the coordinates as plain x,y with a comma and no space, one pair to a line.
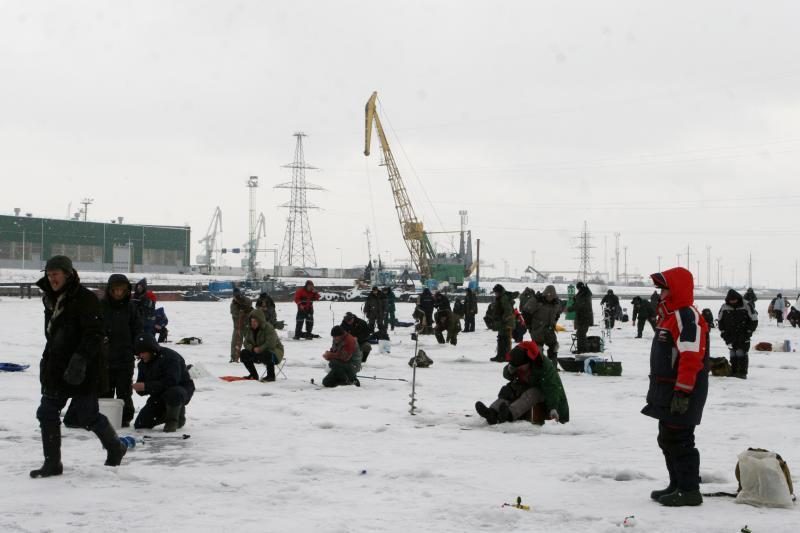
290,456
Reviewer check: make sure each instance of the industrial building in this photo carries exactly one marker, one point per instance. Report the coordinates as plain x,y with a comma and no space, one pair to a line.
27,242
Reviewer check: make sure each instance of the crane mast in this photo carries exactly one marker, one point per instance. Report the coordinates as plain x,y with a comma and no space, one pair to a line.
413,231
209,242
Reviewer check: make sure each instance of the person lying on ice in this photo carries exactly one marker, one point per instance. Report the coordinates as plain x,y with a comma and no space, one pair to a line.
533,384
344,359
164,377
261,345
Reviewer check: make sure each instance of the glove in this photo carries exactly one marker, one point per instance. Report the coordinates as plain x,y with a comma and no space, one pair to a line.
553,415
679,404
76,370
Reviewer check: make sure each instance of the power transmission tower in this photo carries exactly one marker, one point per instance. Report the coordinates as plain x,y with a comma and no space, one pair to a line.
298,248
585,247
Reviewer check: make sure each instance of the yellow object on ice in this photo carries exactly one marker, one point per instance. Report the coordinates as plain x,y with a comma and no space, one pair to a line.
559,327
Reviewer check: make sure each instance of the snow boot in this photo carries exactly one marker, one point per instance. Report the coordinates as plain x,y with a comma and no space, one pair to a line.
251,367
182,417
504,414
51,446
115,449
172,417
679,498
656,494
486,412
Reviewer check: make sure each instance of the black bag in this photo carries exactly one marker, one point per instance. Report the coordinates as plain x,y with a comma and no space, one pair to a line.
720,366
594,344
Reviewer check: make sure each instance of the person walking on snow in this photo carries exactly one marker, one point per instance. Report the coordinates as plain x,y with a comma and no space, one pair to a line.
72,365
678,385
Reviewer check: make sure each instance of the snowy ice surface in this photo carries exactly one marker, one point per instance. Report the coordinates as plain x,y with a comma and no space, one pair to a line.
290,456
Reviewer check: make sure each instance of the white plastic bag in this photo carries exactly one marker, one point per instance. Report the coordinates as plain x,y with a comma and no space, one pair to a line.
762,480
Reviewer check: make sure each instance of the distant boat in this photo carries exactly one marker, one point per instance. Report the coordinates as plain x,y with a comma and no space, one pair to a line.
200,296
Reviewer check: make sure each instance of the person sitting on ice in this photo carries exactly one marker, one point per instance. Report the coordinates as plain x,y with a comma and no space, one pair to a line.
163,377
344,359
261,345
533,385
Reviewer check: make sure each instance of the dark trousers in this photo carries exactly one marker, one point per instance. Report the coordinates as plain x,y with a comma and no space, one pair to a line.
83,412
120,386
469,323
341,373
249,359
640,325
680,455
308,318
379,322
152,414
503,343
580,336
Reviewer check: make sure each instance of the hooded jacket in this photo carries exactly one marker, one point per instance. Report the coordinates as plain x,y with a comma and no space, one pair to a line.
73,324
265,337
305,299
542,314
165,370
679,353
537,371
121,324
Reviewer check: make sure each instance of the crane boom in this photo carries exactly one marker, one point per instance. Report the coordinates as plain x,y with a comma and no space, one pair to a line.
414,234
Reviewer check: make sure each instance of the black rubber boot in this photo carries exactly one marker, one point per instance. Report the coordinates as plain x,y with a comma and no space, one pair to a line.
486,412
679,498
115,450
270,372
743,364
656,494
504,414
182,417
51,446
172,418
251,367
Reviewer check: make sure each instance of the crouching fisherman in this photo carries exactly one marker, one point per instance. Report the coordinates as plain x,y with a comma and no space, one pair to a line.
344,359
533,384
164,377
72,365
261,345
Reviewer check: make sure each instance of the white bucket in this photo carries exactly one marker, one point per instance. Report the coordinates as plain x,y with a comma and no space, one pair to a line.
112,408
385,346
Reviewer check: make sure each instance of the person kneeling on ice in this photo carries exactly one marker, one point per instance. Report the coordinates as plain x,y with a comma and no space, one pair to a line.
359,329
261,345
344,359
533,384
164,377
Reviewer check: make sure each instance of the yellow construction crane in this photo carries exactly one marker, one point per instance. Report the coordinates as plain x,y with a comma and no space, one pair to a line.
414,235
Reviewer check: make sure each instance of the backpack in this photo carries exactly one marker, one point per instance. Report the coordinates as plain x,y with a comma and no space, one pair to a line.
764,346
764,479
423,361
720,366
594,344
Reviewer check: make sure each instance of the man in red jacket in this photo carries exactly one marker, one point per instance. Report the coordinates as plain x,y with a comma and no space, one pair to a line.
305,297
678,385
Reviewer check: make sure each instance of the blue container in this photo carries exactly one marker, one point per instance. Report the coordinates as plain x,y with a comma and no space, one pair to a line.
128,441
221,288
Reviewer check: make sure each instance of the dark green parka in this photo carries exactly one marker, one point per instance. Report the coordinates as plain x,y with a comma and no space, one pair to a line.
264,337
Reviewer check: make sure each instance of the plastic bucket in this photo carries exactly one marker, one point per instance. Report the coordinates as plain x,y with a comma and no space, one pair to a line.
112,408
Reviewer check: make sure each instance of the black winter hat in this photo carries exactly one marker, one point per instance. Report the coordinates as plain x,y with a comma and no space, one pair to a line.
145,343
498,288
519,356
580,285
236,290
337,331
59,262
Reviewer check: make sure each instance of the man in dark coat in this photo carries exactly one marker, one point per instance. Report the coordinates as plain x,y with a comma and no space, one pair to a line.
240,308
533,382
267,305
644,311
504,321
447,321
584,316
678,385
72,365
441,301
654,299
542,311
359,329
470,310
375,309
163,377
426,304
611,308
144,301
737,322
305,297
121,325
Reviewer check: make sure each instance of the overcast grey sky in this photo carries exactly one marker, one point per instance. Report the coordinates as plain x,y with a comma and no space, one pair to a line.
672,123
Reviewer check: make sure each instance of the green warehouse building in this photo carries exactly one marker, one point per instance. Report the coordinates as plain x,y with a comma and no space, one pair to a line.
27,242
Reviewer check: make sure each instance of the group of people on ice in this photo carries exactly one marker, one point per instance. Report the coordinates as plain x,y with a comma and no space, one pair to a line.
86,336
